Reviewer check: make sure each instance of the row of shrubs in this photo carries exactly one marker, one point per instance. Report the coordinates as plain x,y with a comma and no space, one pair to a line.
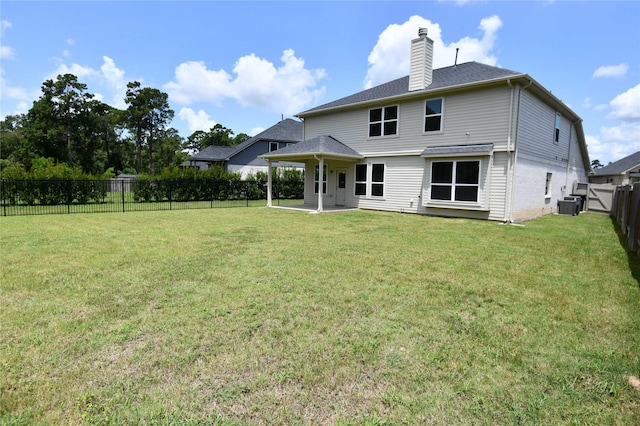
52,184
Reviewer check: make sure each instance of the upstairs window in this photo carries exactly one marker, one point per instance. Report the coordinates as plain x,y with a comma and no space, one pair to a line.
273,146
383,121
433,115
455,180
556,135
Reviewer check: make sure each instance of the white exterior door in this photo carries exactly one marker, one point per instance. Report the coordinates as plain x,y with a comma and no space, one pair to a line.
341,186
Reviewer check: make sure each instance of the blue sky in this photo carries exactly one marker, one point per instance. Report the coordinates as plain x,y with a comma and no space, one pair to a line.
246,64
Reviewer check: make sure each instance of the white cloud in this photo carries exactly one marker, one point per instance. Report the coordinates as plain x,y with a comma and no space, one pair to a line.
389,58
259,83
196,120
109,78
613,143
618,141
611,71
6,52
78,70
195,83
256,130
626,106
115,81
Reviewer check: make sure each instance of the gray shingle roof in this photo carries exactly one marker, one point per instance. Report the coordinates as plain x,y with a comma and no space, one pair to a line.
287,130
213,153
469,72
620,166
458,150
325,145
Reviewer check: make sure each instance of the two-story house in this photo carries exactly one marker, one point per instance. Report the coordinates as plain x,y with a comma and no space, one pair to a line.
470,140
245,157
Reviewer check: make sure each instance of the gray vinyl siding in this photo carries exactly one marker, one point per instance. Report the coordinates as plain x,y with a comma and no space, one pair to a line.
536,130
497,191
483,114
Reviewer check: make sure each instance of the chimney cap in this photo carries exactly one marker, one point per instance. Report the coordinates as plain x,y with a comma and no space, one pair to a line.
422,32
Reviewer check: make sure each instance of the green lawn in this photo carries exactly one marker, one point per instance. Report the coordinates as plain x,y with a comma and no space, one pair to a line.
267,316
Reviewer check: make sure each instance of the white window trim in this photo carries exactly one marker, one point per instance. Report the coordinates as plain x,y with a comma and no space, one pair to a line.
382,135
355,182
369,181
271,144
424,118
319,181
557,125
483,172
547,183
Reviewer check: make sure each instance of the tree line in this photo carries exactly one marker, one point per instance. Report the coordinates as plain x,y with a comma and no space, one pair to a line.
68,125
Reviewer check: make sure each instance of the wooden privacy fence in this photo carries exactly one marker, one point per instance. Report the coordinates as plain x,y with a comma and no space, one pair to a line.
626,213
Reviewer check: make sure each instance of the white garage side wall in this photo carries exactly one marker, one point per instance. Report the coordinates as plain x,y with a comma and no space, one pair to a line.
529,191
539,154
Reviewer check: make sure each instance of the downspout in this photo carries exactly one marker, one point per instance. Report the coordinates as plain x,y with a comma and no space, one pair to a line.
320,181
566,177
507,203
514,166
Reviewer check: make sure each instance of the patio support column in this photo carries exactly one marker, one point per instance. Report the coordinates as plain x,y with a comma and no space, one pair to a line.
269,183
320,183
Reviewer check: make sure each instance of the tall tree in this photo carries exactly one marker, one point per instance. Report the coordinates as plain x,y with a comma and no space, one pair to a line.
147,116
169,151
55,120
14,146
218,135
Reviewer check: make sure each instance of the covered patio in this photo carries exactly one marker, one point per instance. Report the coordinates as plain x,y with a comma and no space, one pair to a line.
315,151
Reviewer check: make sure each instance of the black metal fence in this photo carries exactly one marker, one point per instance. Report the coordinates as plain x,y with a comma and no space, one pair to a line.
36,197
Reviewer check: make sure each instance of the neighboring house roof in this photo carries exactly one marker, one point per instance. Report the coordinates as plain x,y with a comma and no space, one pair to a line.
620,167
287,130
213,153
326,146
462,74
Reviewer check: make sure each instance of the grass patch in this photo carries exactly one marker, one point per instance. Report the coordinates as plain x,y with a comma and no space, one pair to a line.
265,316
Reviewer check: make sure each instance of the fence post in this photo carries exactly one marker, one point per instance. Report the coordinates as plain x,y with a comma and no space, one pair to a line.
4,201
122,192
68,181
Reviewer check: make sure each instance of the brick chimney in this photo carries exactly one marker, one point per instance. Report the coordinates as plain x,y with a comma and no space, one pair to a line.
421,61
